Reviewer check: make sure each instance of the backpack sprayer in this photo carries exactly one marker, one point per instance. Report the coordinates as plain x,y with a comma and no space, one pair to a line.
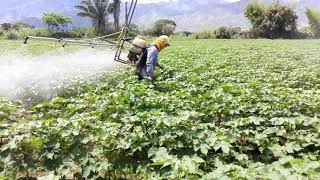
136,49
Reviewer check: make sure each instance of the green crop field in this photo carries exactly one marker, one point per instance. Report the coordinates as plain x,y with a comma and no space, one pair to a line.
221,109
33,48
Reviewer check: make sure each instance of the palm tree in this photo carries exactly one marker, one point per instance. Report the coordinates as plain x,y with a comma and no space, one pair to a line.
97,10
115,9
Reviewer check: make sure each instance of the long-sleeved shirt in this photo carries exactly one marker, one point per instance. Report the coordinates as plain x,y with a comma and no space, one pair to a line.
152,62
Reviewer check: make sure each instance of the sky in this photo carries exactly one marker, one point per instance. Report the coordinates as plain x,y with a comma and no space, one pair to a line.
154,1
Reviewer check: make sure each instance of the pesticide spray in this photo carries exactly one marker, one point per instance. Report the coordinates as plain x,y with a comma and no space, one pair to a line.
42,75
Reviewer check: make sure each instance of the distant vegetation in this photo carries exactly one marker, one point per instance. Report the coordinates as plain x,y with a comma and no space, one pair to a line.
274,21
56,22
162,26
268,21
313,16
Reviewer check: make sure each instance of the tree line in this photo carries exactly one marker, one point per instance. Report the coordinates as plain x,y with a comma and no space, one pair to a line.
270,21
267,21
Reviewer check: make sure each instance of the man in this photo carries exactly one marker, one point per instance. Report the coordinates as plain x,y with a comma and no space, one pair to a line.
150,60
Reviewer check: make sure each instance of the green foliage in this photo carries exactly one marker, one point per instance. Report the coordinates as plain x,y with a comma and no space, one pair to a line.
219,33
79,32
20,25
97,11
280,21
181,35
204,34
134,30
255,13
313,16
35,32
55,21
275,21
162,27
76,32
245,109
6,108
90,33
5,26
11,35
222,33
1,32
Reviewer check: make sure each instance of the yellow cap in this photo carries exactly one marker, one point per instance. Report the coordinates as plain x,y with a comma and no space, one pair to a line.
162,41
166,39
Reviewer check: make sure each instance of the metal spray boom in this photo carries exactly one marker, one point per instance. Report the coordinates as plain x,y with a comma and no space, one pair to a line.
95,42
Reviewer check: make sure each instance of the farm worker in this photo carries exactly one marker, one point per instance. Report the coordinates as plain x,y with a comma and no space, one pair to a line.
150,61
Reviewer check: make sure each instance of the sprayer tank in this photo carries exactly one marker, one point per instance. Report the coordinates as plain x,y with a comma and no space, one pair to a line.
137,45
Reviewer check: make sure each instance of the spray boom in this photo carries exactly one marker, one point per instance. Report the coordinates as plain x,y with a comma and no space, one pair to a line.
101,41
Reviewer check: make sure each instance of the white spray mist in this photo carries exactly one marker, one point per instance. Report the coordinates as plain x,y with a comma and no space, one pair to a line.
19,72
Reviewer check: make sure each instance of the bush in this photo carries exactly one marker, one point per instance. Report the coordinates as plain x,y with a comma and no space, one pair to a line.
205,34
148,32
247,34
78,32
274,21
90,33
12,35
305,32
1,32
6,26
20,25
181,35
134,30
222,33
313,16
35,32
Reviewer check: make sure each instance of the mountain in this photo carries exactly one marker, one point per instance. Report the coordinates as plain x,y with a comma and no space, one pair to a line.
189,15
31,11
192,15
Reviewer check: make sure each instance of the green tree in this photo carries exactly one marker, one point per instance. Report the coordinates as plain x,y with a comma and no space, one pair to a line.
55,21
164,26
313,16
275,21
97,11
280,21
255,13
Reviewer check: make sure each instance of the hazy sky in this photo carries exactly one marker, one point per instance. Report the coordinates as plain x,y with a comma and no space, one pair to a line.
153,1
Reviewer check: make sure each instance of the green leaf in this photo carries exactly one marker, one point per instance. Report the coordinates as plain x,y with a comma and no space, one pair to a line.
204,149
225,147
